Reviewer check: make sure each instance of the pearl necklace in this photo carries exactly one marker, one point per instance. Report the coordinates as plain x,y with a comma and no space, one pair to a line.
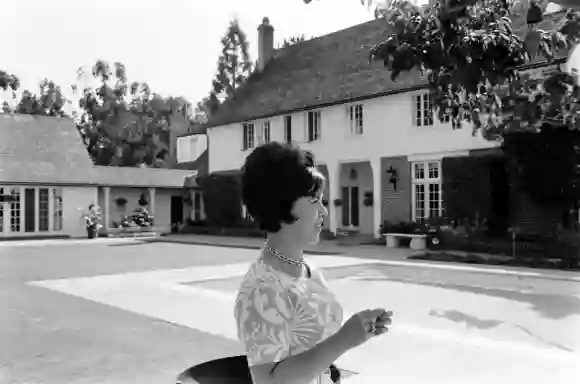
283,258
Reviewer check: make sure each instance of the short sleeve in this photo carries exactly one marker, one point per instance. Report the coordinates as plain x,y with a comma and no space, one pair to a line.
263,315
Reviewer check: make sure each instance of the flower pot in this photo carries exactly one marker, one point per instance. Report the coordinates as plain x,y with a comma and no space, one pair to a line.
91,231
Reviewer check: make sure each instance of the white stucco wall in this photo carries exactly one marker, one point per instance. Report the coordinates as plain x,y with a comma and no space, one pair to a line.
75,198
189,148
388,131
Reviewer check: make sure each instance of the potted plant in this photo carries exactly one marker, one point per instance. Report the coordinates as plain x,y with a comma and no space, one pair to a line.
92,219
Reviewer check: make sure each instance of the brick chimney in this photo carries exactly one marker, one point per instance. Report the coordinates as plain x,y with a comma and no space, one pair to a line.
265,43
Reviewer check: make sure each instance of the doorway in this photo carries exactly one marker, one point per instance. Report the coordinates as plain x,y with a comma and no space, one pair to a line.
176,212
350,206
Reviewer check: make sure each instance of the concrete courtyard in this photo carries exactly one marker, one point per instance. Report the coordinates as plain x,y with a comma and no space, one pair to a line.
127,311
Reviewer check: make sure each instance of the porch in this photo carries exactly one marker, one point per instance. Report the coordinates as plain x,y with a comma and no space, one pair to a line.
353,197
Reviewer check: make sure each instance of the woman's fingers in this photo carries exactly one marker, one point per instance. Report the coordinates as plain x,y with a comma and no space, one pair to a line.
383,322
381,330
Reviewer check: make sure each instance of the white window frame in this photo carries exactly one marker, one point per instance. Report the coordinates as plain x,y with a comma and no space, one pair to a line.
13,217
57,209
248,136
16,209
265,132
356,119
314,132
423,114
426,181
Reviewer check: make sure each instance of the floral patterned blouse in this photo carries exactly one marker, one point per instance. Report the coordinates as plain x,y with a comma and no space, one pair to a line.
278,315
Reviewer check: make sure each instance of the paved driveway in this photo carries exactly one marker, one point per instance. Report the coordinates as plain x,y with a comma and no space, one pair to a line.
125,311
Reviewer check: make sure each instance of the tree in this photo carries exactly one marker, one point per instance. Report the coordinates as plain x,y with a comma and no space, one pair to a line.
233,69
293,40
50,101
8,81
207,107
125,124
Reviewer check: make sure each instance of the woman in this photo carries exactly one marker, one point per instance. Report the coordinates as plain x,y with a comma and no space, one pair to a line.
288,320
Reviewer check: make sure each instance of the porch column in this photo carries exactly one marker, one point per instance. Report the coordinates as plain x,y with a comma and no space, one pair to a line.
334,193
151,201
107,208
377,196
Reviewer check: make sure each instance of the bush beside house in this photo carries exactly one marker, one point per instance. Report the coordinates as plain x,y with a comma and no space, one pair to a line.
483,201
223,209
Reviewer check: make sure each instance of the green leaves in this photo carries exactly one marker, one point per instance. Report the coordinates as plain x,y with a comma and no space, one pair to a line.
8,80
126,124
471,55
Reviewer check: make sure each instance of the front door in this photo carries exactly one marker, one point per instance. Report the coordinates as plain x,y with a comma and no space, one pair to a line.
176,211
350,206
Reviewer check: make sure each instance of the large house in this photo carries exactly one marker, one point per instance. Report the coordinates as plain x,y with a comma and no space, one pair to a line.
47,178
377,140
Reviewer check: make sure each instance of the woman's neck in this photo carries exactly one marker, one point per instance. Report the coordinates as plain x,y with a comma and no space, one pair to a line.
285,246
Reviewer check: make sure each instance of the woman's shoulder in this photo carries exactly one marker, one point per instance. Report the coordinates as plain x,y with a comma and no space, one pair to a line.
259,275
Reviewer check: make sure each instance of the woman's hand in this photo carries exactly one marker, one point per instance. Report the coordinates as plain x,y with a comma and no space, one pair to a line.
363,326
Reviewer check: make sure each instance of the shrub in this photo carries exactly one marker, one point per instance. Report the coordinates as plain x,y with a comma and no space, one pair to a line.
476,191
222,199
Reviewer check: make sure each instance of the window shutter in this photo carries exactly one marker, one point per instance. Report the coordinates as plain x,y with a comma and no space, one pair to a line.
244,136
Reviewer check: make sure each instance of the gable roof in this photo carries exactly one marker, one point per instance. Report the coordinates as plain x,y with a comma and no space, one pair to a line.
37,149
324,71
49,150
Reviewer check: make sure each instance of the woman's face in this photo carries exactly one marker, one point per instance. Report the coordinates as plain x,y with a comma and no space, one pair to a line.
310,214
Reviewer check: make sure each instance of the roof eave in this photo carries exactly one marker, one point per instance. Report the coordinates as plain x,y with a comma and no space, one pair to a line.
557,61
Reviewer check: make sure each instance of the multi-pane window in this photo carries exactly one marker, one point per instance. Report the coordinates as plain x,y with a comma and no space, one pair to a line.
248,132
355,113
427,194
57,206
313,125
288,129
15,210
423,110
425,113
30,209
265,135
43,210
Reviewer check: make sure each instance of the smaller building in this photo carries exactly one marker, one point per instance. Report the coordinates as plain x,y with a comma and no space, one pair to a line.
47,179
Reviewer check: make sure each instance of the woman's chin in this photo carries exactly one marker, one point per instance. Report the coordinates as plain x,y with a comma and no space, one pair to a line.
315,239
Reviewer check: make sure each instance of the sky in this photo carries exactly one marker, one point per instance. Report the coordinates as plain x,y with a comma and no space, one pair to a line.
173,45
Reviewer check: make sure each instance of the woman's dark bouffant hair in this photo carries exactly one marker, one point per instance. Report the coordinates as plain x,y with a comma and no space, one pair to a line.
274,176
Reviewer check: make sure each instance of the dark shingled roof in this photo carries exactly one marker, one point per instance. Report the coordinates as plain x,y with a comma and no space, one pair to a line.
327,70
36,149
49,150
